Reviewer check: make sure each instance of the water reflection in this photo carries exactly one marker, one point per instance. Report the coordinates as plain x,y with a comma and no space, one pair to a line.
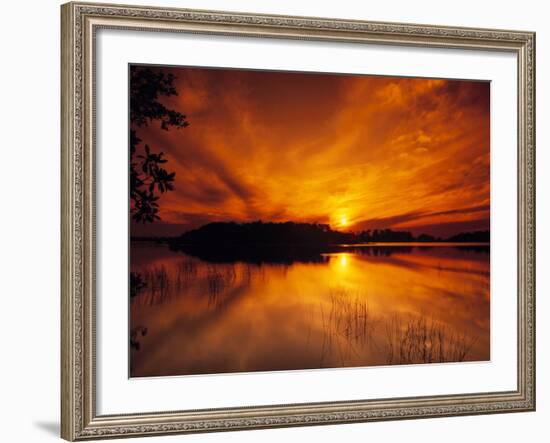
289,254
353,306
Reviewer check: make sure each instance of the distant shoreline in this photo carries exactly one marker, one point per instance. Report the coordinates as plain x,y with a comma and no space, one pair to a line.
305,235
341,245
289,253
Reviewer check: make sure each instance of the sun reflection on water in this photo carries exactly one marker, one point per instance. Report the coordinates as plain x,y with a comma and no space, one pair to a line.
343,261
353,308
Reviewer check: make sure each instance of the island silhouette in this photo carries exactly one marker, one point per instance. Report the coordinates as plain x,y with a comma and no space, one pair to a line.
289,242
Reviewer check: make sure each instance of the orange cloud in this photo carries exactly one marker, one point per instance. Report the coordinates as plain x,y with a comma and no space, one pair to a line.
405,153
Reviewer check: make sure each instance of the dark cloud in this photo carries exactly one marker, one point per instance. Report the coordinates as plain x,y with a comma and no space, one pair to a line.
446,229
418,222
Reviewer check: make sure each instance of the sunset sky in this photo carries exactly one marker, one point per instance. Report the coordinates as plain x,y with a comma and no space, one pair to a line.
356,152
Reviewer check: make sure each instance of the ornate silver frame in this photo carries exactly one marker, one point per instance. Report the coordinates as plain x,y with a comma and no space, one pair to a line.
80,21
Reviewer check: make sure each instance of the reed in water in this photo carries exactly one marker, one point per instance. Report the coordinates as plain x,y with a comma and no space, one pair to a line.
417,339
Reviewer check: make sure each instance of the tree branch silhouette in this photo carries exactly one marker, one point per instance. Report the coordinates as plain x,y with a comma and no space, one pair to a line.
148,177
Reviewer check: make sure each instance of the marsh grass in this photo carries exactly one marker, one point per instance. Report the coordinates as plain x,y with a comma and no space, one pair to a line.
186,273
350,330
414,339
218,280
347,325
157,284
160,284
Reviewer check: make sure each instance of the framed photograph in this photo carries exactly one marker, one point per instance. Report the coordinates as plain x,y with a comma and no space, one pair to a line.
282,221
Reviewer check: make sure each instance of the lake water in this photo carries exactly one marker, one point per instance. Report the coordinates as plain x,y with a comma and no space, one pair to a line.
359,306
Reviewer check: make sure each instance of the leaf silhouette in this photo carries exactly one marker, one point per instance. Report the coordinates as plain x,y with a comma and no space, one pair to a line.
147,177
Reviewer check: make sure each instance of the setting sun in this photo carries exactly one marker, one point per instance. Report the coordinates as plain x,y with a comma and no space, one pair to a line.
260,153
343,221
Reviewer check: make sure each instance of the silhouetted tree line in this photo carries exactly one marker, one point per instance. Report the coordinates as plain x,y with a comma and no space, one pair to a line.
258,254
313,234
289,242
472,237
231,233
259,242
387,235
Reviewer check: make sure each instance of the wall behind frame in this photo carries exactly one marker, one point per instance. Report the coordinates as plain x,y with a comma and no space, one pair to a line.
29,221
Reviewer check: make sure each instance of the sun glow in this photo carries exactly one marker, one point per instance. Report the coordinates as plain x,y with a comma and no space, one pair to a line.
343,260
343,221
350,173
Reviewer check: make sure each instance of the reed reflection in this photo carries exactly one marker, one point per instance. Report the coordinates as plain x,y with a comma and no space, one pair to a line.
353,306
